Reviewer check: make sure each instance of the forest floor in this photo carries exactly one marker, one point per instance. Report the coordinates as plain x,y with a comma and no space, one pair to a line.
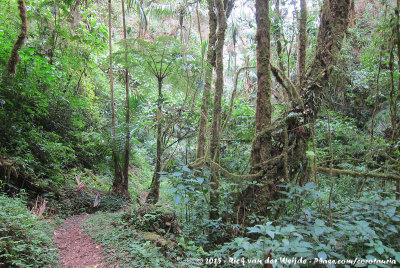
77,249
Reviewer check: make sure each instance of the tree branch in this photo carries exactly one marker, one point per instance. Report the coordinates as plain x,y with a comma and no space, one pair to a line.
336,171
288,85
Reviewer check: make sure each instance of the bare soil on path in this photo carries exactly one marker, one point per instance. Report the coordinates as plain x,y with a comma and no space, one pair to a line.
76,248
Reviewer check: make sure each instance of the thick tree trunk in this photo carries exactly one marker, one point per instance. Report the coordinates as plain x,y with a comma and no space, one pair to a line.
216,122
154,193
14,58
261,149
293,146
201,140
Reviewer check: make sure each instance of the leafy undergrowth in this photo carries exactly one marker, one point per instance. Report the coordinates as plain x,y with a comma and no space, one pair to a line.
25,239
365,228
144,237
74,202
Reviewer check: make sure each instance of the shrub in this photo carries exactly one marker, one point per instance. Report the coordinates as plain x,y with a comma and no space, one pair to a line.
366,228
25,240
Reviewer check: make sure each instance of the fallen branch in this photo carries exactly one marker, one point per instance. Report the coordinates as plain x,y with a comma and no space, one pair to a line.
336,171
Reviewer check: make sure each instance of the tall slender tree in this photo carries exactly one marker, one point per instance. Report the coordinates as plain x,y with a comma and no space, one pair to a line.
160,65
210,64
115,157
217,108
120,183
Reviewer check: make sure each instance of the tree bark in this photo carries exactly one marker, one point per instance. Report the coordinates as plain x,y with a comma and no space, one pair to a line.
14,58
216,122
301,63
256,199
261,148
154,192
262,142
277,36
201,140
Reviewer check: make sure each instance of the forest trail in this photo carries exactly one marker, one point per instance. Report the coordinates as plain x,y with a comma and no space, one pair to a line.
77,249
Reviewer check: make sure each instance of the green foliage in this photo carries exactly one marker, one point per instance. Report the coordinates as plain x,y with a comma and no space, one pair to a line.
123,244
111,203
50,112
25,240
74,202
347,141
366,228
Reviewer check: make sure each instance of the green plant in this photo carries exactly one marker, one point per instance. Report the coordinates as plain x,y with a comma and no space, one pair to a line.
366,228
125,245
25,239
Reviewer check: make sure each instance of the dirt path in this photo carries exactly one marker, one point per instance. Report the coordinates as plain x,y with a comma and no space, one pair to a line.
76,248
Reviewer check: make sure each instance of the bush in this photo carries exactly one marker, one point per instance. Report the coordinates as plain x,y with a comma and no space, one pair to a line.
124,245
365,229
74,202
25,240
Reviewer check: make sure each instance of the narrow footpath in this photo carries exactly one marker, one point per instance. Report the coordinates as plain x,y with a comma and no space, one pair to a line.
77,250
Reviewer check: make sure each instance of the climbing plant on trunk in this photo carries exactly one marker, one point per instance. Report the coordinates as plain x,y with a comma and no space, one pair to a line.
223,11
14,58
287,154
210,64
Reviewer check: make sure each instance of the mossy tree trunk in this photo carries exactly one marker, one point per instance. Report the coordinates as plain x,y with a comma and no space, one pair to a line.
261,148
277,36
217,108
201,138
256,199
14,58
302,46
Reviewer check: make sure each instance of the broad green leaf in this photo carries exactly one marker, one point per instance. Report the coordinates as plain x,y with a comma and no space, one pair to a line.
322,255
200,180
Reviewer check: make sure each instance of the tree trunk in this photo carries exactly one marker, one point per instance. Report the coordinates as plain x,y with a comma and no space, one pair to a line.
120,186
256,199
117,172
201,140
216,122
277,36
301,62
261,149
14,58
154,193
394,118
